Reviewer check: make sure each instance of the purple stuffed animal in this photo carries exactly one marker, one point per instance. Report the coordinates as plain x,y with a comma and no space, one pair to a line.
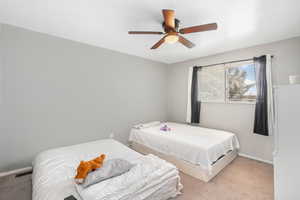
165,128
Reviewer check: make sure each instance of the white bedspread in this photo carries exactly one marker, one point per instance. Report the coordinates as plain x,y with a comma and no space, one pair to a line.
143,179
197,145
54,171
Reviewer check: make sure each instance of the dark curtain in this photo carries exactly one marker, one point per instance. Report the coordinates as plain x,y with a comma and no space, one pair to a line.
261,108
195,102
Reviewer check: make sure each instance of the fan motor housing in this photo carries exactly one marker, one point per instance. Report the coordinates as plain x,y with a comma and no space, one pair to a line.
167,29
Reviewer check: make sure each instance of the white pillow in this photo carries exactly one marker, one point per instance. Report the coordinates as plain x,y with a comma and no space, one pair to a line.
147,125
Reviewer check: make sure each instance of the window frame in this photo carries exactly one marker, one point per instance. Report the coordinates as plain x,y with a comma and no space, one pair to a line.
226,99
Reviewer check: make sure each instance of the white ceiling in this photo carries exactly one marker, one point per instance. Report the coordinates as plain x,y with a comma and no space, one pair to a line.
104,23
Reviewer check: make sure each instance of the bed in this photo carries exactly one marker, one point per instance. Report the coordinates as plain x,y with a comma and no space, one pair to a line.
197,151
54,171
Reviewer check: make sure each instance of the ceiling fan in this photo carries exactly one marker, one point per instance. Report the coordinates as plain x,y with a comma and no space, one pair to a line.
172,32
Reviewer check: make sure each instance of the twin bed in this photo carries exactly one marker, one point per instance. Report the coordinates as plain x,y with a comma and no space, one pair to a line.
197,151
151,178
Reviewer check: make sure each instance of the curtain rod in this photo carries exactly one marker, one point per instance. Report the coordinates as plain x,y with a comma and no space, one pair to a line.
234,61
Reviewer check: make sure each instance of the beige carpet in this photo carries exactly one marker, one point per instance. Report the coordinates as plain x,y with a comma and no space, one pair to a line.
243,179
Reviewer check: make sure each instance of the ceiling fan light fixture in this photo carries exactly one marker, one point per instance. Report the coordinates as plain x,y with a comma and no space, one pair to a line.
171,38
172,33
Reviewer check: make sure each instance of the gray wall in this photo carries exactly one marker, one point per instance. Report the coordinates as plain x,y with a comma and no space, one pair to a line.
237,118
58,92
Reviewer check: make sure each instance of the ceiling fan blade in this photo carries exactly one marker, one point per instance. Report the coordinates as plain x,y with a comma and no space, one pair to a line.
186,42
201,28
169,17
156,45
145,32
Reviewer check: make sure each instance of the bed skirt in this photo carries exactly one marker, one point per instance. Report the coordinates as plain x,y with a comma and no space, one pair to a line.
188,168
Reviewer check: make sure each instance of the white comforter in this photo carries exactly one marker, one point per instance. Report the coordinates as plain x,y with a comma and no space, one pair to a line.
140,182
54,171
197,145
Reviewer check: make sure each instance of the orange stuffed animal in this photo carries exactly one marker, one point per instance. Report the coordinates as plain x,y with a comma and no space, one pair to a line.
87,166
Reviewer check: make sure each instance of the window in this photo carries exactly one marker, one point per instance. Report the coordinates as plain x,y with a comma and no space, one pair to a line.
211,83
228,83
241,85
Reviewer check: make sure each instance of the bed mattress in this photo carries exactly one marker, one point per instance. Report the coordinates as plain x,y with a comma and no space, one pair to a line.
194,144
54,171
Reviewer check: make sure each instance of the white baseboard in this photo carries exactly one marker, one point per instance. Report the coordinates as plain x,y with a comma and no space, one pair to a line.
16,172
255,158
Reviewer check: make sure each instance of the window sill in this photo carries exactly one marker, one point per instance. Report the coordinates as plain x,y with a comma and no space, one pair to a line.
241,102
230,102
